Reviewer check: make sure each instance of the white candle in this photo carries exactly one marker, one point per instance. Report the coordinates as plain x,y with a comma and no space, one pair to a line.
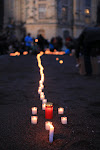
42,96
47,125
64,120
39,90
51,133
34,119
60,110
43,106
44,101
34,110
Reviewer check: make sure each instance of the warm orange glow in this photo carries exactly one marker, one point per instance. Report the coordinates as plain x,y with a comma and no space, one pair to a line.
61,61
87,11
55,52
25,53
36,40
41,86
57,58
15,54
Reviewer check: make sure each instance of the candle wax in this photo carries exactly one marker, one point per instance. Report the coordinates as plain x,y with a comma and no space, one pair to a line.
48,112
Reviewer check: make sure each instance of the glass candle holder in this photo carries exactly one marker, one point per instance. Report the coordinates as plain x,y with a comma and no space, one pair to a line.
49,110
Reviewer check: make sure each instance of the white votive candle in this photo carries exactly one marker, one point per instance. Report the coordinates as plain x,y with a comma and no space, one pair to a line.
60,110
34,119
34,110
64,120
42,96
39,90
47,125
51,133
43,106
44,101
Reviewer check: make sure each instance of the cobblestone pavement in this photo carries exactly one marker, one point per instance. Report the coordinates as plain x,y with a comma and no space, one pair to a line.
79,95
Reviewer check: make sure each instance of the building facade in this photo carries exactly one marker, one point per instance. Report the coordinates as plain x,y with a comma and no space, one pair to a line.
50,17
1,13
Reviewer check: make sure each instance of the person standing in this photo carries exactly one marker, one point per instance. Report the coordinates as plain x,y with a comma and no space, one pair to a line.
28,41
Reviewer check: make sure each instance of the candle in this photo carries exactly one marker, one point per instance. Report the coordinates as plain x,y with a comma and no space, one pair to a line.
64,120
51,133
61,61
44,101
39,90
34,110
60,110
49,110
47,125
42,96
34,119
43,106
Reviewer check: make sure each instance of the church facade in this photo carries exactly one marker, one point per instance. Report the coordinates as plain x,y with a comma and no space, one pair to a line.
50,17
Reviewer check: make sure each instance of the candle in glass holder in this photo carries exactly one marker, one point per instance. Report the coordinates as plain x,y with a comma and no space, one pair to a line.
49,110
60,110
34,119
44,101
34,110
47,125
51,133
43,106
64,120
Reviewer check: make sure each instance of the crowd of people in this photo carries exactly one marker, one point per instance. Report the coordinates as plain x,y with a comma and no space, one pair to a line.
87,45
28,43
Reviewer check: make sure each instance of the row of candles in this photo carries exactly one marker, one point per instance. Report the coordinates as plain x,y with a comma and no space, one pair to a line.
47,106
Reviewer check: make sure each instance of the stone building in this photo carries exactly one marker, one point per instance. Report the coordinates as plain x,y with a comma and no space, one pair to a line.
50,17
1,13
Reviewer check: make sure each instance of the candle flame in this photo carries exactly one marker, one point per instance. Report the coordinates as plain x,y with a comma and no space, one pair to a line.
15,54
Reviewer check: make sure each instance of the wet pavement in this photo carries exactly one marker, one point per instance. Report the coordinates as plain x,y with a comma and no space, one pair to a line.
64,87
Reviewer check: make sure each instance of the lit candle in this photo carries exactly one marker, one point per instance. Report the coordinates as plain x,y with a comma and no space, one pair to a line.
34,119
34,110
39,90
60,110
43,106
44,101
51,133
42,96
47,125
57,58
64,120
49,110
61,61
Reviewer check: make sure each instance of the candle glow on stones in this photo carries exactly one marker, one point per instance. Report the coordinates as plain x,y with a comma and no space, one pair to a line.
64,120
34,119
60,110
34,110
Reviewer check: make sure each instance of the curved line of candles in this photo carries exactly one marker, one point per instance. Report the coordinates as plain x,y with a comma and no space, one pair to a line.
41,86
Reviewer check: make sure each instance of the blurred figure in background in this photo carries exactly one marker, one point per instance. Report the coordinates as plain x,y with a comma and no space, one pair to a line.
28,42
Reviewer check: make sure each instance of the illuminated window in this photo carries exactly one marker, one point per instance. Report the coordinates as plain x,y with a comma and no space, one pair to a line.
42,11
87,11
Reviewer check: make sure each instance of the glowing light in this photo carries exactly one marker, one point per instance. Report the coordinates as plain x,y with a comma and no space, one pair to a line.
57,58
25,53
15,54
61,61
